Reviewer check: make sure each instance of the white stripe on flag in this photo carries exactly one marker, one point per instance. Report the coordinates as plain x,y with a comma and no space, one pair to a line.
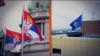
33,34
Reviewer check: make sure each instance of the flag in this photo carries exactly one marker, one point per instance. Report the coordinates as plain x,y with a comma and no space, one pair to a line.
13,38
29,26
76,23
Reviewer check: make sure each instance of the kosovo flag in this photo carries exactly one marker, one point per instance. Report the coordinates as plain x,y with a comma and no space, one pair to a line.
76,23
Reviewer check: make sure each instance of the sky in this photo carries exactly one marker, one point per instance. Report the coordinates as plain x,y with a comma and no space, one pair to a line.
64,12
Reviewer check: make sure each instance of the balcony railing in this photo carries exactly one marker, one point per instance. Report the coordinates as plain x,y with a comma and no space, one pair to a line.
40,14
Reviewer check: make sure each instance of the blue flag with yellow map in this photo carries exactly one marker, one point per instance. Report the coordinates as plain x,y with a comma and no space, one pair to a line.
76,23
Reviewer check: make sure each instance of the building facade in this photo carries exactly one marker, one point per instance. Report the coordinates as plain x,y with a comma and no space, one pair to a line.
40,12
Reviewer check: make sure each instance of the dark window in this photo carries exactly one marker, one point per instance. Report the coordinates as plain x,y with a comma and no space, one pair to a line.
0,44
40,25
37,5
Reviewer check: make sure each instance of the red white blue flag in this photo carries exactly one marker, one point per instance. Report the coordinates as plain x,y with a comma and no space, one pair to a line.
29,26
13,38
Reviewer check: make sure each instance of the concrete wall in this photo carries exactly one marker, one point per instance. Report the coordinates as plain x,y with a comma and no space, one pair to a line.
76,46
38,54
37,49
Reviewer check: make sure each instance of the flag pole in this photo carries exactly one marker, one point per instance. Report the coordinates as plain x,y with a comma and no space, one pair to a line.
81,23
22,32
4,41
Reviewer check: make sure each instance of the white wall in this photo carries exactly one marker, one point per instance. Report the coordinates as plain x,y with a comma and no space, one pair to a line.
64,12
38,54
11,13
76,46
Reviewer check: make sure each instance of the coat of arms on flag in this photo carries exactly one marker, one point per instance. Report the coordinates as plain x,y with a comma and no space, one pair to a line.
29,26
76,23
13,38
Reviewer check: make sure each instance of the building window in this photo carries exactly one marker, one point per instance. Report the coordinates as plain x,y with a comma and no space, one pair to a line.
0,44
37,5
41,27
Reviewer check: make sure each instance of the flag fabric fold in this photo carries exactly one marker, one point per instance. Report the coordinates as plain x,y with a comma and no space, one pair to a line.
13,38
76,23
29,26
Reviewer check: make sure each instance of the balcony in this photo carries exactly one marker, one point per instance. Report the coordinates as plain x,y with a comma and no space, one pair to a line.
40,14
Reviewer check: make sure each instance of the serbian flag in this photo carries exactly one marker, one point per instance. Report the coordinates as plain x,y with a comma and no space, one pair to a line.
13,38
29,26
